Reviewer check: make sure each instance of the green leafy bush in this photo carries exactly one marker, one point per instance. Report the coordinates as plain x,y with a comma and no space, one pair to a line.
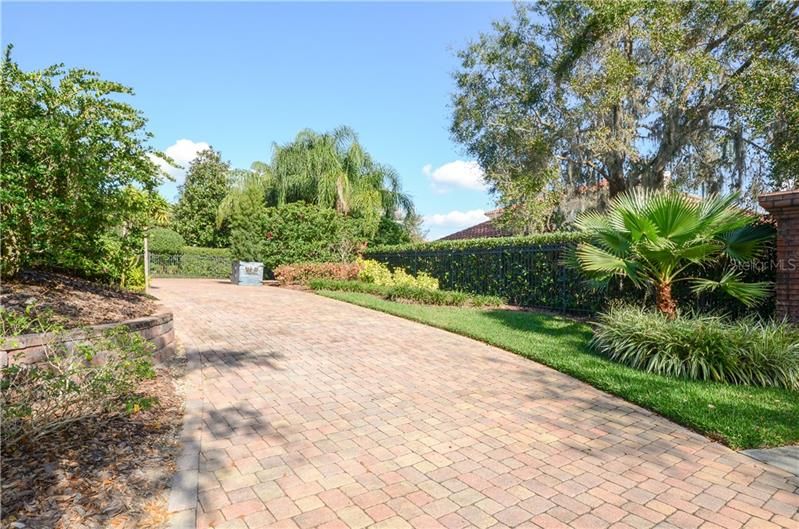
375,272
350,286
410,293
77,170
299,233
207,252
442,297
302,273
481,244
95,378
165,241
701,347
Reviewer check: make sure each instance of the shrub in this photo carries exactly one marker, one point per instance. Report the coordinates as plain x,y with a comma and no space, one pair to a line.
380,274
75,163
301,233
374,272
442,297
70,384
207,252
701,347
410,293
165,241
350,286
301,273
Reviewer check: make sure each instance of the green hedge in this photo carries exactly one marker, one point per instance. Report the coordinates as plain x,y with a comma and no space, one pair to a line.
209,252
532,271
411,294
479,244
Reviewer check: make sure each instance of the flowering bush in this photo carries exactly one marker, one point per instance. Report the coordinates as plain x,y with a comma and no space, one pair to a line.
301,273
379,274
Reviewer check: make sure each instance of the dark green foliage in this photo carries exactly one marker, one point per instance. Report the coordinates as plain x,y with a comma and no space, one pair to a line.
165,241
243,208
748,351
740,416
195,215
480,244
423,296
390,233
77,180
204,251
300,233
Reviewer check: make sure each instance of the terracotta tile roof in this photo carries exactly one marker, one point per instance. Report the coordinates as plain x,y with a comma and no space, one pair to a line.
484,229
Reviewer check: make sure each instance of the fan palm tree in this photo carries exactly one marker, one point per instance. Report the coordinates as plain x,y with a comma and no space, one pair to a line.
653,238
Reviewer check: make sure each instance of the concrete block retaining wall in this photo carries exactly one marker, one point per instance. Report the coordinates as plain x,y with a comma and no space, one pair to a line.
29,348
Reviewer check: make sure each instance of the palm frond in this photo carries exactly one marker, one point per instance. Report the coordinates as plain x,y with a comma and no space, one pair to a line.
750,294
747,242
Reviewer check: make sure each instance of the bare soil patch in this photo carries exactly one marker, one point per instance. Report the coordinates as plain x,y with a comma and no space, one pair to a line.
113,472
74,302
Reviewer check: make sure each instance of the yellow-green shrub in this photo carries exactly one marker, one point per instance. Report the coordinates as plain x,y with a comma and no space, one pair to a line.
375,272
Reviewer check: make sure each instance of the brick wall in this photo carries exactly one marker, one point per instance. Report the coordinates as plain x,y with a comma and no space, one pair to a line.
784,207
29,348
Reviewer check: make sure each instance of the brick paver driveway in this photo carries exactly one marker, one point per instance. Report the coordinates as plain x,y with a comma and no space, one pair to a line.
319,413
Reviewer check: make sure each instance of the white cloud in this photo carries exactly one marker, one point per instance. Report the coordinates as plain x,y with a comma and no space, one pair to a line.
460,173
182,152
457,219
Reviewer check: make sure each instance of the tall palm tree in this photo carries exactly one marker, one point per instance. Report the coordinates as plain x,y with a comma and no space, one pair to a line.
653,238
333,170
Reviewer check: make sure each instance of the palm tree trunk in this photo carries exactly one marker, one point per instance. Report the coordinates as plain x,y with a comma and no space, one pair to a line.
665,303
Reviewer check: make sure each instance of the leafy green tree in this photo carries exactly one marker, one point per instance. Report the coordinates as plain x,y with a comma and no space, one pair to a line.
76,170
658,238
195,214
243,209
576,93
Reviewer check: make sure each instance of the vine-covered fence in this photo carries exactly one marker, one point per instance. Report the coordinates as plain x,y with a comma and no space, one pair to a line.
534,272
531,276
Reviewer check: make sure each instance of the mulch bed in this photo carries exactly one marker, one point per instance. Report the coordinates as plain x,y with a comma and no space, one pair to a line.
74,302
113,473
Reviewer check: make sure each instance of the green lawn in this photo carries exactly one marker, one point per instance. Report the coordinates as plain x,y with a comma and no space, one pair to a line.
739,416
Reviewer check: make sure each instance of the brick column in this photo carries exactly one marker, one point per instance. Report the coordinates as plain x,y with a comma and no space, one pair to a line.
784,207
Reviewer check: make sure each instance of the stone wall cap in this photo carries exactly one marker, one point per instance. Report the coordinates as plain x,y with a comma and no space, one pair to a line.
779,199
25,341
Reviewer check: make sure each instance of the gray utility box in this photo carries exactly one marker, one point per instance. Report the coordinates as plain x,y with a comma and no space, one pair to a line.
247,273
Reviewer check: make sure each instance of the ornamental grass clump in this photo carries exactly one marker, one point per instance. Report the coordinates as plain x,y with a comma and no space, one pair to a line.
750,351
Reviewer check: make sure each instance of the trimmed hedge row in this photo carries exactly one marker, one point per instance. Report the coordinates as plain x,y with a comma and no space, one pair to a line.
411,294
485,243
532,272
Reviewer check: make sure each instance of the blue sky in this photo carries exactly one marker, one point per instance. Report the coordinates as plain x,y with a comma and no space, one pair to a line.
242,76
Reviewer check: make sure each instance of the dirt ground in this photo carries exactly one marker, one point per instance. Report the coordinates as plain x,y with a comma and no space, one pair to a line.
73,302
110,474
